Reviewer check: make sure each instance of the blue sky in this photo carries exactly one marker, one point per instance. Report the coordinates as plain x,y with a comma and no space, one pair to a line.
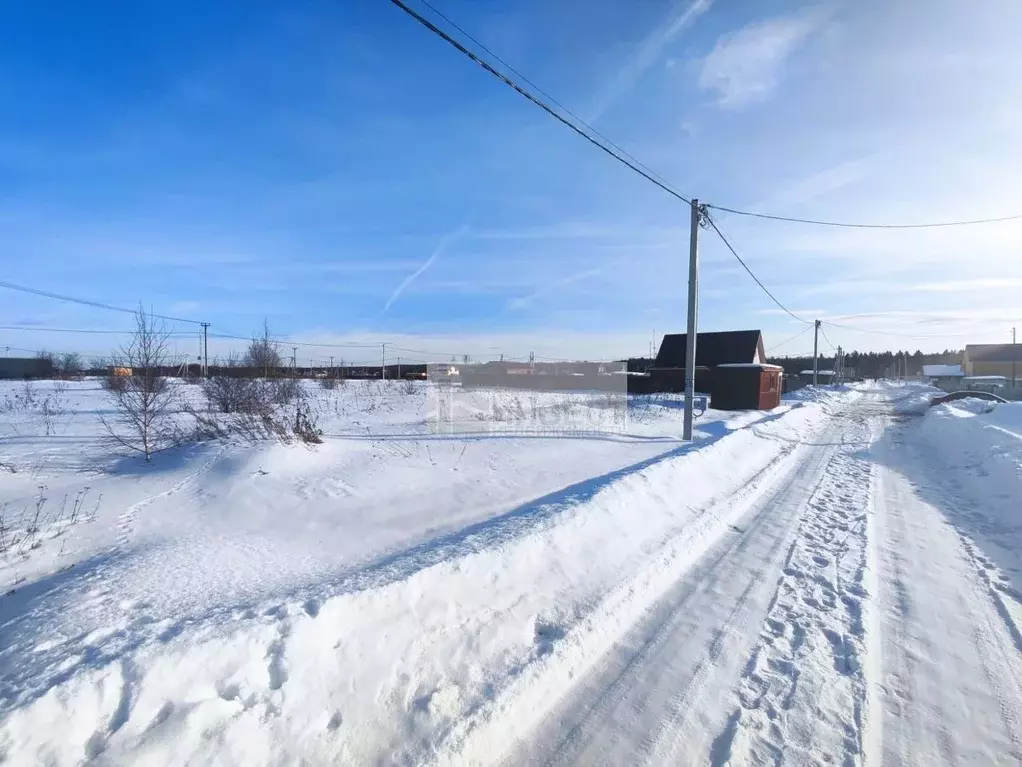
337,169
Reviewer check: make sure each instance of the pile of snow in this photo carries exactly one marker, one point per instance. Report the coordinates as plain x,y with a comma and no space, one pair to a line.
977,446
354,603
967,407
913,399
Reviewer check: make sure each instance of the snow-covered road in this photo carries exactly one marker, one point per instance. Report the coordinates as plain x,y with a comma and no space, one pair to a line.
831,584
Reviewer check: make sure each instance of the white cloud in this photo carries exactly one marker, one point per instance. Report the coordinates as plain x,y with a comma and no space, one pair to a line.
646,54
746,66
445,242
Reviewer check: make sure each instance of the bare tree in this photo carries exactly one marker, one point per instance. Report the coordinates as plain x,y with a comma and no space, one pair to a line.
69,364
144,399
262,353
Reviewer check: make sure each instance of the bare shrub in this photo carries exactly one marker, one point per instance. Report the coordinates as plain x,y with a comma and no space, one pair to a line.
328,383
42,520
114,383
23,399
262,353
305,425
408,387
283,391
145,399
231,393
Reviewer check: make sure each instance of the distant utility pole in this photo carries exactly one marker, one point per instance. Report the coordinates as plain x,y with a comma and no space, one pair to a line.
693,317
399,368
205,349
331,367
383,367
1014,356
294,361
816,352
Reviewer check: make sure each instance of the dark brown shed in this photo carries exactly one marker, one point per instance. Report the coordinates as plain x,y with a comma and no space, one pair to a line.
746,386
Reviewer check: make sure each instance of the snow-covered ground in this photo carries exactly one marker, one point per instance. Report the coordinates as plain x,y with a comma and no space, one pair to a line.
520,578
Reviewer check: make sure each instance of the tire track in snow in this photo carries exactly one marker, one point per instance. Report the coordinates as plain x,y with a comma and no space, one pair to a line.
803,692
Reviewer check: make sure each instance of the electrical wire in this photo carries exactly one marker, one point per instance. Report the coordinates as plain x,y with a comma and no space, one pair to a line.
589,127
582,129
86,302
178,334
801,333
859,225
745,266
896,335
824,334
288,342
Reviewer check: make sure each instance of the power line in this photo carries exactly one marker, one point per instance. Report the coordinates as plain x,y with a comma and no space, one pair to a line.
857,225
179,334
589,127
585,131
799,334
824,334
87,302
896,335
745,266
289,342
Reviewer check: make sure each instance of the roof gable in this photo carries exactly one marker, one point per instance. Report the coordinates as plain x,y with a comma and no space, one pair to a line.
712,349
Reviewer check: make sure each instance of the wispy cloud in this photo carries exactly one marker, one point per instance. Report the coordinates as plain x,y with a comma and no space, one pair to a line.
818,184
445,242
551,287
968,285
646,54
745,66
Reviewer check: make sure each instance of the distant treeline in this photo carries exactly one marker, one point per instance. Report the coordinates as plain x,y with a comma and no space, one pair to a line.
873,364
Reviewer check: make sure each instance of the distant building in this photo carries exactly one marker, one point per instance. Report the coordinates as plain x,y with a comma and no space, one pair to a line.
993,360
25,367
947,377
822,376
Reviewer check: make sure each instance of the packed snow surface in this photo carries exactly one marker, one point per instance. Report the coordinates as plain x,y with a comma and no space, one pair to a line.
522,578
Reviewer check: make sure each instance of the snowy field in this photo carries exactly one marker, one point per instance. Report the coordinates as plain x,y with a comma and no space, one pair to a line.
516,578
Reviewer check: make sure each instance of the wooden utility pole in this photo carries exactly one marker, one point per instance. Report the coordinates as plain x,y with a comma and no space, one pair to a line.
205,349
1014,355
816,352
383,367
693,318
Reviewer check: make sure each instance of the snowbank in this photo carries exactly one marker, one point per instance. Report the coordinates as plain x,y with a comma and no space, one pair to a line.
913,399
976,447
